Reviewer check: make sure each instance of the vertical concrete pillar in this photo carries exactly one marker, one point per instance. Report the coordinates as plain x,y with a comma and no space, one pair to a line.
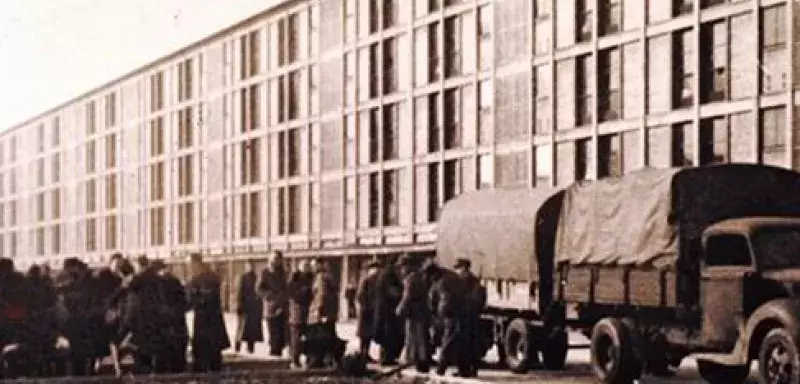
345,276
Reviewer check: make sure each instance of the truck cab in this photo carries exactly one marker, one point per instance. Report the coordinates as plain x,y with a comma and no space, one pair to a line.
750,287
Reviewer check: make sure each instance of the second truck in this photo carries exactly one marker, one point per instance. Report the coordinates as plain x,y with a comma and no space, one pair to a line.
652,267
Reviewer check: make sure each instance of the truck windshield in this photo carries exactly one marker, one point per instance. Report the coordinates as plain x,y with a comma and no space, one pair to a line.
777,248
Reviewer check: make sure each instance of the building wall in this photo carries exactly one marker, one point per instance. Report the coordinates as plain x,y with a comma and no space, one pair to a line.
342,126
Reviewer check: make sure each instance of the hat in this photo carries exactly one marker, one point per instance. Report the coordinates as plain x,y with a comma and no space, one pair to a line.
462,263
158,264
373,264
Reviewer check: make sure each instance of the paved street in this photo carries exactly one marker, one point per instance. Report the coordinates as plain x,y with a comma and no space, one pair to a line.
578,370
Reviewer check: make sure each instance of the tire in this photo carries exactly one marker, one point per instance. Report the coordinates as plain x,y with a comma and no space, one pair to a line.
722,374
779,358
554,354
520,353
613,356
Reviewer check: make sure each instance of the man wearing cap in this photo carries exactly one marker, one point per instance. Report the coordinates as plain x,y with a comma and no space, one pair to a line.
414,309
469,323
322,316
365,298
273,289
299,293
446,298
209,335
389,329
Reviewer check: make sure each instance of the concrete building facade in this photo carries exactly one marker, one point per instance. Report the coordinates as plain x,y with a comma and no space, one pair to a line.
339,128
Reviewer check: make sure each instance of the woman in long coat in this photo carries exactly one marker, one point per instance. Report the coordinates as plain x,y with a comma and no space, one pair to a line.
250,309
209,336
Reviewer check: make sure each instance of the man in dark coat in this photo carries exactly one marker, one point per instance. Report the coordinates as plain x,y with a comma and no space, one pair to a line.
414,309
41,326
14,313
74,288
273,289
147,321
209,336
172,358
250,308
366,299
350,296
104,318
322,316
469,322
299,293
445,298
389,329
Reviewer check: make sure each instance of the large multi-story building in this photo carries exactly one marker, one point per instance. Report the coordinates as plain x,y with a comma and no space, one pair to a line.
339,128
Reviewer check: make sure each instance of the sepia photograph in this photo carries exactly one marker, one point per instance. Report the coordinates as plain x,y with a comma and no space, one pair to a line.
400,191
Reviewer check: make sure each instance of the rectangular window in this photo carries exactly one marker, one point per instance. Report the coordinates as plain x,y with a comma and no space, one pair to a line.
111,151
111,232
452,118
40,207
583,160
714,145
111,191
434,57
434,141
157,137
584,11
250,55
682,145
773,137
157,92
294,209
157,226
683,78
485,106
185,128
583,93
610,84
485,46
157,181
452,45
56,239
186,223
91,157
391,132
611,16
293,95
40,241
391,198
111,110
55,137
609,156
40,138
91,196
714,61
185,80
293,38
389,75
681,7
91,118
391,12
774,74
40,172
91,235
55,204
185,179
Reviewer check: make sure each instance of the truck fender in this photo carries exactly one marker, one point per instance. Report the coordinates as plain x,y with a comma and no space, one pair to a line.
774,313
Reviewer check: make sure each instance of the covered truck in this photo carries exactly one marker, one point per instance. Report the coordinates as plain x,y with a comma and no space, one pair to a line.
652,266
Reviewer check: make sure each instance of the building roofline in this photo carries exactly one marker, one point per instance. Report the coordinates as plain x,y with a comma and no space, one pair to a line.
275,6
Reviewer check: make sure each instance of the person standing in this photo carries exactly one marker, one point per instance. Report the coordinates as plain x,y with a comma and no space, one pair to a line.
322,316
74,299
299,292
172,358
350,296
445,299
273,289
414,309
389,329
250,309
209,336
146,322
469,322
366,298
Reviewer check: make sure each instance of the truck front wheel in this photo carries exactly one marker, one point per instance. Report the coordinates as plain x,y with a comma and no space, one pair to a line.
613,357
520,353
778,359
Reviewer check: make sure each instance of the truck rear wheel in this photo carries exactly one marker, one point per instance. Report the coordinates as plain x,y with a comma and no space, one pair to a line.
520,353
779,358
613,357
554,354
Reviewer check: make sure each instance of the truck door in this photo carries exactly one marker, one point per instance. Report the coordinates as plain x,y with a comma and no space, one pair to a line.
727,264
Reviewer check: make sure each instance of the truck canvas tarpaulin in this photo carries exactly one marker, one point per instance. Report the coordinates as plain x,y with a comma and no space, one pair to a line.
641,219
500,231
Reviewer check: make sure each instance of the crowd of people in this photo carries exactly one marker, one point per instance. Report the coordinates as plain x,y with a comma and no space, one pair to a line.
418,305
70,322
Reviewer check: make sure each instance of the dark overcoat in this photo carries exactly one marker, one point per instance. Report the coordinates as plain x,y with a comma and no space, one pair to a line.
414,308
299,293
273,289
250,309
208,331
388,327
147,318
366,300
